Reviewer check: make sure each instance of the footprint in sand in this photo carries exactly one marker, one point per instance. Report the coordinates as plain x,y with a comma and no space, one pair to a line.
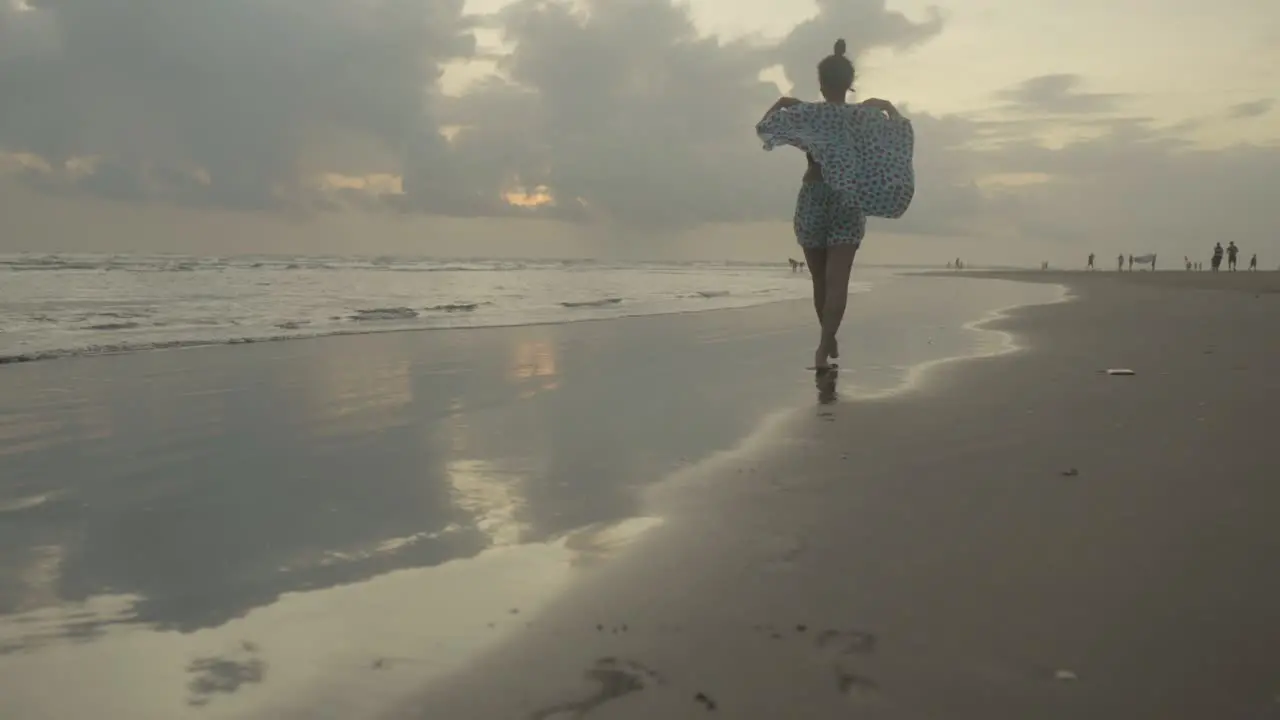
847,642
841,649
615,677
856,687
781,552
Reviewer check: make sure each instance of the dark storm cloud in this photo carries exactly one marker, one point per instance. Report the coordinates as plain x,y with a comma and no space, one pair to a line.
864,25
624,109
1058,94
621,108
1139,185
244,90
632,116
1253,109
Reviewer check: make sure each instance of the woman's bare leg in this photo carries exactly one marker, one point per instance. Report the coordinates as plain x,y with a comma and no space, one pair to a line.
816,259
838,267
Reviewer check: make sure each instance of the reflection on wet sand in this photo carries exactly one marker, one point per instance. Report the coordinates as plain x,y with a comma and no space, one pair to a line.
384,638
349,391
365,513
213,676
533,360
595,543
491,495
39,415
32,579
825,381
21,434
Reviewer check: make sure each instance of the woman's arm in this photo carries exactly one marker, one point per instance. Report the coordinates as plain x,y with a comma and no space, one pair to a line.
783,102
778,126
884,106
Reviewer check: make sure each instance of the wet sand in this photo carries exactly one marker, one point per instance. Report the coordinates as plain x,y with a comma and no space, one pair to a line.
323,528
1023,536
1239,281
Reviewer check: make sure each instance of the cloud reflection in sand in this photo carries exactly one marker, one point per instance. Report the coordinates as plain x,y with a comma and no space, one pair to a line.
347,391
533,367
350,650
491,495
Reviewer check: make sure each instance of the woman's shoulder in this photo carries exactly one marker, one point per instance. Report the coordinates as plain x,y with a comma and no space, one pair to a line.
864,110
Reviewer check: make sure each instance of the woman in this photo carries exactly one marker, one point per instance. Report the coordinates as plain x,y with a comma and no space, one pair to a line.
828,226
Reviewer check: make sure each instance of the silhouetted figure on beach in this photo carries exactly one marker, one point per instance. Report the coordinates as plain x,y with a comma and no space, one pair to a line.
1119,263
1216,261
1232,252
796,266
1253,262
828,228
1187,260
1130,263
1090,265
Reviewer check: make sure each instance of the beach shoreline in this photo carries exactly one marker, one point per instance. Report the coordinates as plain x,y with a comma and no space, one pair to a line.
1028,537
1015,535
363,513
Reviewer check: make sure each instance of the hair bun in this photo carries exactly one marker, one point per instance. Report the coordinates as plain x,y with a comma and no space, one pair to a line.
840,47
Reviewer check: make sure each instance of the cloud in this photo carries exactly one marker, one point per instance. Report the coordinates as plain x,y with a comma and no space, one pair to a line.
620,110
1057,94
630,115
246,91
864,26
1252,109
1136,187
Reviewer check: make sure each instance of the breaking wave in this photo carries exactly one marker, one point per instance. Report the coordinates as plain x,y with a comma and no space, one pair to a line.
73,305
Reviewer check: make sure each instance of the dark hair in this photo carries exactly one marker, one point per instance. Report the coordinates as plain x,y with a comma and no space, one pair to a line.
835,72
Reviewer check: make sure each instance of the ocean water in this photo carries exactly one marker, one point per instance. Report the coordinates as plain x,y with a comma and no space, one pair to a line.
60,305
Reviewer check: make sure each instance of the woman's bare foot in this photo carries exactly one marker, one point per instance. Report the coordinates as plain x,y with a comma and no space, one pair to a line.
826,349
820,359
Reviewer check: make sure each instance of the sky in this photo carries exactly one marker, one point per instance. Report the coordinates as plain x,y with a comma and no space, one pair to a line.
624,128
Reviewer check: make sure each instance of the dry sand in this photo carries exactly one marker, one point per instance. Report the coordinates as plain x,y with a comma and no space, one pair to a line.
1021,537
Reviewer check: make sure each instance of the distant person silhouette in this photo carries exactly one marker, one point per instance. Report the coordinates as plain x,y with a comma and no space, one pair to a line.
1130,263
1253,262
1090,266
1232,252
1119,263
1216,261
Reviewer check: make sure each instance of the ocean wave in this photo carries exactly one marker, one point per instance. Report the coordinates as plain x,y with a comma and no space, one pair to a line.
391,313
256,300
454,307
125,347
185,264
51,266
602,302
114,326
